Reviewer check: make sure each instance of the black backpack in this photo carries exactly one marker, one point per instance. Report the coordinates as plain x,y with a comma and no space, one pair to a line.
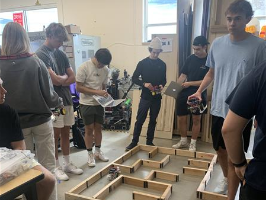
78,132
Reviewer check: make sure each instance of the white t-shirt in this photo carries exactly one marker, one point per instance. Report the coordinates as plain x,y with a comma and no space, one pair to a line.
231,62
91,77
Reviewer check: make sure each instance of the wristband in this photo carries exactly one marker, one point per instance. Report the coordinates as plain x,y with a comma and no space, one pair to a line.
240,164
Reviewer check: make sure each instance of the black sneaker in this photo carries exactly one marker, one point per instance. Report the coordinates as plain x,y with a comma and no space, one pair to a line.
131,146
150,144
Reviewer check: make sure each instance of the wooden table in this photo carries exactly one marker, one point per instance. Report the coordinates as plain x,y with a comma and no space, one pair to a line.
23,184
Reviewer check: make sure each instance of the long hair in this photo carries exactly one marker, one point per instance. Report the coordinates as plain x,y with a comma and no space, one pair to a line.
15,40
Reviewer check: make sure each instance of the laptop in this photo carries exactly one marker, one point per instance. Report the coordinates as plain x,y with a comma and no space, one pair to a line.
173,89
108,101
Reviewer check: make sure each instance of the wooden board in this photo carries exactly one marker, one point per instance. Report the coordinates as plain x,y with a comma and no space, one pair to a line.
137,165
153,153
157,186
135,150
166,176
134,181
167,193
109,188
151,163
144,196
199,163
164,150
165,161
71,196
186,153
203,155
124,168
147,148
194,171
212,196
151,175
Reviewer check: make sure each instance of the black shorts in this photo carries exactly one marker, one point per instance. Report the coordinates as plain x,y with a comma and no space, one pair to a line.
92,114
216,132
249,193
182,107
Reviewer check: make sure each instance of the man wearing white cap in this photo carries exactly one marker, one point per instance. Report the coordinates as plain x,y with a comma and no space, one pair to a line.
152,71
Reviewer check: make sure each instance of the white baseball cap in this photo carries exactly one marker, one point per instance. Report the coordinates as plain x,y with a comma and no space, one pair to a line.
156,43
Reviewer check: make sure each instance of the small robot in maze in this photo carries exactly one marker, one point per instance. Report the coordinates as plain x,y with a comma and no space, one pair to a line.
113,173
195,105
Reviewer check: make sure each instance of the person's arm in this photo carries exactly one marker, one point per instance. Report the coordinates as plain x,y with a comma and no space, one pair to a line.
86,90
57,80
182,78
136,75
191,83
232,133
50,96
18,145
205,83
71,77
136,79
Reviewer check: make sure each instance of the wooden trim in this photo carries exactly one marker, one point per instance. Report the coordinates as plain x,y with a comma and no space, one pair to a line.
199,163
153,153
194,171
186,153
203,155
166,176
144,196
151,163
164,150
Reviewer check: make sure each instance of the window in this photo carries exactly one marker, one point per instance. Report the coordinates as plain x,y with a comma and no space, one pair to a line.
259,7
33,20
160,17
36,20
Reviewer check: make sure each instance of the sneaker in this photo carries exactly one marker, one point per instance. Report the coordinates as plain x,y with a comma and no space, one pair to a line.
99,155
192,147
150,144
222,187
60,174
180,145
91,160
71,168
130,146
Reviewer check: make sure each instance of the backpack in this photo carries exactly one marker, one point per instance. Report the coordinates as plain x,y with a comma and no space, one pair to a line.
78,132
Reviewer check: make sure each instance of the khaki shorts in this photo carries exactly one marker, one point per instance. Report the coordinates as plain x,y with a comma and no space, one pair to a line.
65,120
92,114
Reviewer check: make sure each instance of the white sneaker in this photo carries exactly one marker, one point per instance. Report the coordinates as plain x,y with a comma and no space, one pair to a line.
222,187
91,160
192,147
60,174
71,168
180,145
99,155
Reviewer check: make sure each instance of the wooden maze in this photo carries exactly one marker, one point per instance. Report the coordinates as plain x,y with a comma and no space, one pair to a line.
199,164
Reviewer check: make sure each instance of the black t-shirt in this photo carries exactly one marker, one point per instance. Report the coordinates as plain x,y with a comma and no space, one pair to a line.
246,100
195,70
58,61
63,64
151,71
10,130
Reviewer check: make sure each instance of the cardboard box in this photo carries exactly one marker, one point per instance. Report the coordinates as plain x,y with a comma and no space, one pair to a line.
73,29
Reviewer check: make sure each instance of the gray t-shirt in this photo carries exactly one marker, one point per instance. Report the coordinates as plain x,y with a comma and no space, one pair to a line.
232,61
58,61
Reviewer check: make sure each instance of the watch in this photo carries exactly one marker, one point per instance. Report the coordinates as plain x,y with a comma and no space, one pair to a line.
240,164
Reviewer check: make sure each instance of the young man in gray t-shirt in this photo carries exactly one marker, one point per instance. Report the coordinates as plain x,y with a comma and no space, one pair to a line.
231,57
62,76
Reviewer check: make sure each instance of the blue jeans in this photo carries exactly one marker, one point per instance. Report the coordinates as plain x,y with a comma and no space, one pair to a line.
144,106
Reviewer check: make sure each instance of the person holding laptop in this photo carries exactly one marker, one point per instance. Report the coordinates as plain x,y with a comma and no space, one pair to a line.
191,77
